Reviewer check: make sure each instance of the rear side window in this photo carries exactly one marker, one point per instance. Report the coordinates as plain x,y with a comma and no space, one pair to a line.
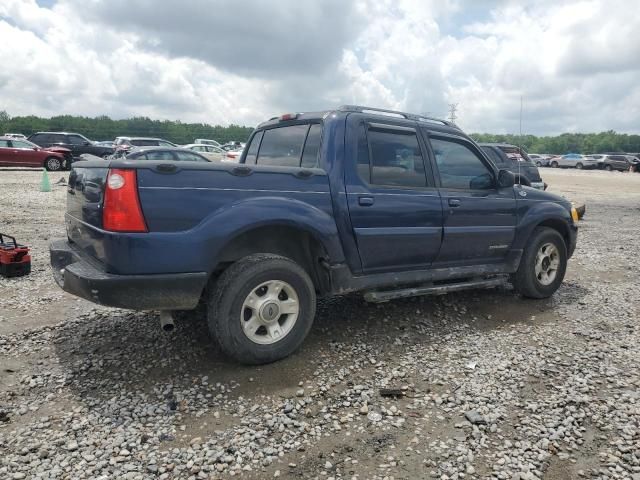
493,155
252,152
159,155
189,157
4,143
312,147
282,146
364,170
396,158
145,143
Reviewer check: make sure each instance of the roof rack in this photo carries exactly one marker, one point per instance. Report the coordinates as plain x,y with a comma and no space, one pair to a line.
408,116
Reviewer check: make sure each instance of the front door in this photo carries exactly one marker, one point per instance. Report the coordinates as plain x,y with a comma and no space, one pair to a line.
479,218
395,209
24,154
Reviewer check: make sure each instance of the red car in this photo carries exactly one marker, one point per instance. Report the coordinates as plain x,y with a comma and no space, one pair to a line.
22,153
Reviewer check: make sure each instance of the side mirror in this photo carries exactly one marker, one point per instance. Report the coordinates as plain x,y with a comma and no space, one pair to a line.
86,143
506,179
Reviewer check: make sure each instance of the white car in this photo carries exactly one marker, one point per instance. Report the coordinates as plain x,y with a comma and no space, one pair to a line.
210,151
573,160
206,141
17,136
539,159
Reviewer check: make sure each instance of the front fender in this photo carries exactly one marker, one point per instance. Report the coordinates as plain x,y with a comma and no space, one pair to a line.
237,218
532,213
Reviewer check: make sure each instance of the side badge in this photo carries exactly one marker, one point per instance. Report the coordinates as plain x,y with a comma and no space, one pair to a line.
522,193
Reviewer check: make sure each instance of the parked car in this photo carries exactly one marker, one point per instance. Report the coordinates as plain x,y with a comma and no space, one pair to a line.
22,153
171,154
634,158
76,143
393,205
233,146
573,160
516,160
233,156
206,141
124,144
612,162
17,136
211,152
540,159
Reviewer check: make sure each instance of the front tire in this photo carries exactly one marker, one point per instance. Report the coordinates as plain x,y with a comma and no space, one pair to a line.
579,166
53,164
261,308
543,264
608,168
554,164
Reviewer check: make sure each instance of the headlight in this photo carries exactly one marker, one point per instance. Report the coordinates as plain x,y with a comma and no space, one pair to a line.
574,214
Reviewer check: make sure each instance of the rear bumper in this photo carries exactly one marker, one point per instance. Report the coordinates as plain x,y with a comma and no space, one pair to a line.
81,277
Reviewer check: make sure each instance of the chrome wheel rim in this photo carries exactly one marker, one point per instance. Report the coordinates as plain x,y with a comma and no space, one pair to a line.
547,263
53,164
269,312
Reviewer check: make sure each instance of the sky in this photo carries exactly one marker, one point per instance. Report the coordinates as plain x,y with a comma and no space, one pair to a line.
575,64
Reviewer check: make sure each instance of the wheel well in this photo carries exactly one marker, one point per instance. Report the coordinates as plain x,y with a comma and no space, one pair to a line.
559,226
298,245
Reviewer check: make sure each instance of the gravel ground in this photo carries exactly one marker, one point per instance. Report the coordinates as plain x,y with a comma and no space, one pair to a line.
479,384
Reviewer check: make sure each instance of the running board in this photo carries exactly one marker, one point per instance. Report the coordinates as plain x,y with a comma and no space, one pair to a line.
386,295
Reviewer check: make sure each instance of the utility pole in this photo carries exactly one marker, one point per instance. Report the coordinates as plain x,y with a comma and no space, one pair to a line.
453,107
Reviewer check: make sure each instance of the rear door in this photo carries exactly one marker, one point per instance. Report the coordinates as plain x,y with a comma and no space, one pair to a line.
394,207
479,218
5,153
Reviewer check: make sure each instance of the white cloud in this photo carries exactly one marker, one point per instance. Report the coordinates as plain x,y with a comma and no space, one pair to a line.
575,63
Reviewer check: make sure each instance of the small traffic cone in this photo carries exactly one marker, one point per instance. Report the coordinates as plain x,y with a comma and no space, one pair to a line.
45,186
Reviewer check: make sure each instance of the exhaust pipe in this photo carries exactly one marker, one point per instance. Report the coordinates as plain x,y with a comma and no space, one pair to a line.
166,321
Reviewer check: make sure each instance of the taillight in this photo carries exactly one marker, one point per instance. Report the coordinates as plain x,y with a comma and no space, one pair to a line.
122,211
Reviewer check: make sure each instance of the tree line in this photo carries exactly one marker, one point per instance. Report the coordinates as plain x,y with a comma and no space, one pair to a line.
569,142
104,128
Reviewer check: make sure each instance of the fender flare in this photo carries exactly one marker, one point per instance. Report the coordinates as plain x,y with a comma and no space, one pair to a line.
232,220
550,213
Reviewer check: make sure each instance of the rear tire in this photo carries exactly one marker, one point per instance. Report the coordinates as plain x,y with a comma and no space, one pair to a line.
579,166
543,264
554,164
53,164
608,168
248,308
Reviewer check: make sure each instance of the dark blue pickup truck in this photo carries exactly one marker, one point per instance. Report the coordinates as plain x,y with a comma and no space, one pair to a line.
354,199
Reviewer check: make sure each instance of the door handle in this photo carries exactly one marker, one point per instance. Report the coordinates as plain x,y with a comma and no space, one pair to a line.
365,201
454,202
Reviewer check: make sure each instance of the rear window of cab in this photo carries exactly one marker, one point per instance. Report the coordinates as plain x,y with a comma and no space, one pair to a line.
286,146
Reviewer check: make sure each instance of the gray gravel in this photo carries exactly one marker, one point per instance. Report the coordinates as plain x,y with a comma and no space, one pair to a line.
485,384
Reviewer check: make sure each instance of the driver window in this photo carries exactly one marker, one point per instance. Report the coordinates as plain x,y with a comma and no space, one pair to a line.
460,167
76,140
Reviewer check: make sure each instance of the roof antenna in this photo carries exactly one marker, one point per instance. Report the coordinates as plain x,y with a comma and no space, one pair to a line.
519,159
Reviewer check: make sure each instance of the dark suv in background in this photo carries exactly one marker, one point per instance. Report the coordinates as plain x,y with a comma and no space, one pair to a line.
78,144
515,159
